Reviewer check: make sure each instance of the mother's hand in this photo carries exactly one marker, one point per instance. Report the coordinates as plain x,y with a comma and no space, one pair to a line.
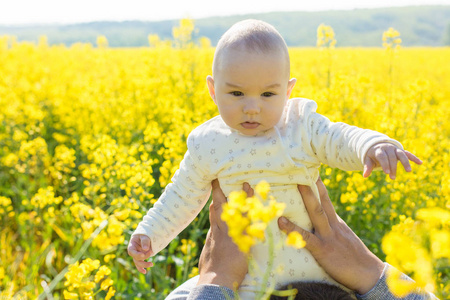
334,245
221,262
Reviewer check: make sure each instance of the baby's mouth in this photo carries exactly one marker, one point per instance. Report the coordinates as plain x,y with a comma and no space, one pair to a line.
250,125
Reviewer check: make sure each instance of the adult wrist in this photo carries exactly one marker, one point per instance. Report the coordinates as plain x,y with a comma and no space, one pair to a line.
370,277
371,284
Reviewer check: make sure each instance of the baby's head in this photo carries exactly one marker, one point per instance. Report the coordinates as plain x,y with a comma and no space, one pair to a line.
314,291
250,82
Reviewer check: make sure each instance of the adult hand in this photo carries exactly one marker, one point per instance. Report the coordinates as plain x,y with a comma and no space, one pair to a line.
334,245
221,262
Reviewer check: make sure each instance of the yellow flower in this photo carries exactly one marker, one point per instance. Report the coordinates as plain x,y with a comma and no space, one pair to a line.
106,284
247,218
186,246
436,215
68,295
237,198
194,272
262,188
440,243
391,39
153,40
295,239
102,41
102,272
256,230
110,294
325,36
398,286
109,257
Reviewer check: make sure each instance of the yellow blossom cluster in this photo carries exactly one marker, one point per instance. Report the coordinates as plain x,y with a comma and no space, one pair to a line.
428,240
325,37
81,282
391,39
6,209
91,218
45,197
247,217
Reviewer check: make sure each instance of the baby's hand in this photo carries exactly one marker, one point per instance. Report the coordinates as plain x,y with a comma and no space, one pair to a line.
140,249
386,155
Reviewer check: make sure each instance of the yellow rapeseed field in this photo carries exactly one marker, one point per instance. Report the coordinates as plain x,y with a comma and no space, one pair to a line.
90,135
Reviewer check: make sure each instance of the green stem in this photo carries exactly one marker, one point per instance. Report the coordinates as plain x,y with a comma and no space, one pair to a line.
264,293
84,247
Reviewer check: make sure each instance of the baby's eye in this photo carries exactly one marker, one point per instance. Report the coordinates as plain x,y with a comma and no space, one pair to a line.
267,94
237,93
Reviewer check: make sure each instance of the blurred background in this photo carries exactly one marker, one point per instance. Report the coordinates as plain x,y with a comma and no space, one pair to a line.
98,97
357,23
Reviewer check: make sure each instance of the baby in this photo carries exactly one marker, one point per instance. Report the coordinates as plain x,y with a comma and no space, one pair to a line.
260,134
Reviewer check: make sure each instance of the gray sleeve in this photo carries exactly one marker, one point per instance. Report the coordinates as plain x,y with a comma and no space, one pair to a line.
211,292
381,290
190,291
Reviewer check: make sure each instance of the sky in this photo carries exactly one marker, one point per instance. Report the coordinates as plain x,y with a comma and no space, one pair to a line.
19,12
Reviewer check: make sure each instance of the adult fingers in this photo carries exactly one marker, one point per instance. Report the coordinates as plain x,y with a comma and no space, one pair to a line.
315,210
310,239
218,197
413,158
248,189
215,210
326,202
401,155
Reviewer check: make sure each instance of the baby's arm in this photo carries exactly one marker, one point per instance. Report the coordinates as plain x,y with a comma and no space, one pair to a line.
386,156
351,148
179,204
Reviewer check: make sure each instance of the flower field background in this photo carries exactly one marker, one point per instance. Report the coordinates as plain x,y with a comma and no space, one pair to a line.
89,137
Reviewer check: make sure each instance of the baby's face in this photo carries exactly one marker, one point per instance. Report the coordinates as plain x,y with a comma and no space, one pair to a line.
251,89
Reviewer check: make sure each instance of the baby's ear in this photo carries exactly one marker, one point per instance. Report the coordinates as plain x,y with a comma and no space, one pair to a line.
291,84
211,89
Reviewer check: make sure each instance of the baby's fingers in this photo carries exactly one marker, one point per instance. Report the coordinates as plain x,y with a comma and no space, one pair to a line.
139,255
392,158
401,155
383,160
413,158
368,167
142,265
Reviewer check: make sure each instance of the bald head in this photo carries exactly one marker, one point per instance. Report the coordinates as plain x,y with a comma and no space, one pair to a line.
251,36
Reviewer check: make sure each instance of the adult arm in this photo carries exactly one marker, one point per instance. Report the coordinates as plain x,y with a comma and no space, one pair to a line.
381,289
339,250
334,245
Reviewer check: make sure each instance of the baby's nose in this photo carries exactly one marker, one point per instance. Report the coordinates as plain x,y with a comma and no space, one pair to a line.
251,107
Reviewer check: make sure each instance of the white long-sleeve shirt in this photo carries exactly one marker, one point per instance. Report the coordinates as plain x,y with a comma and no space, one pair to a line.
284,156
